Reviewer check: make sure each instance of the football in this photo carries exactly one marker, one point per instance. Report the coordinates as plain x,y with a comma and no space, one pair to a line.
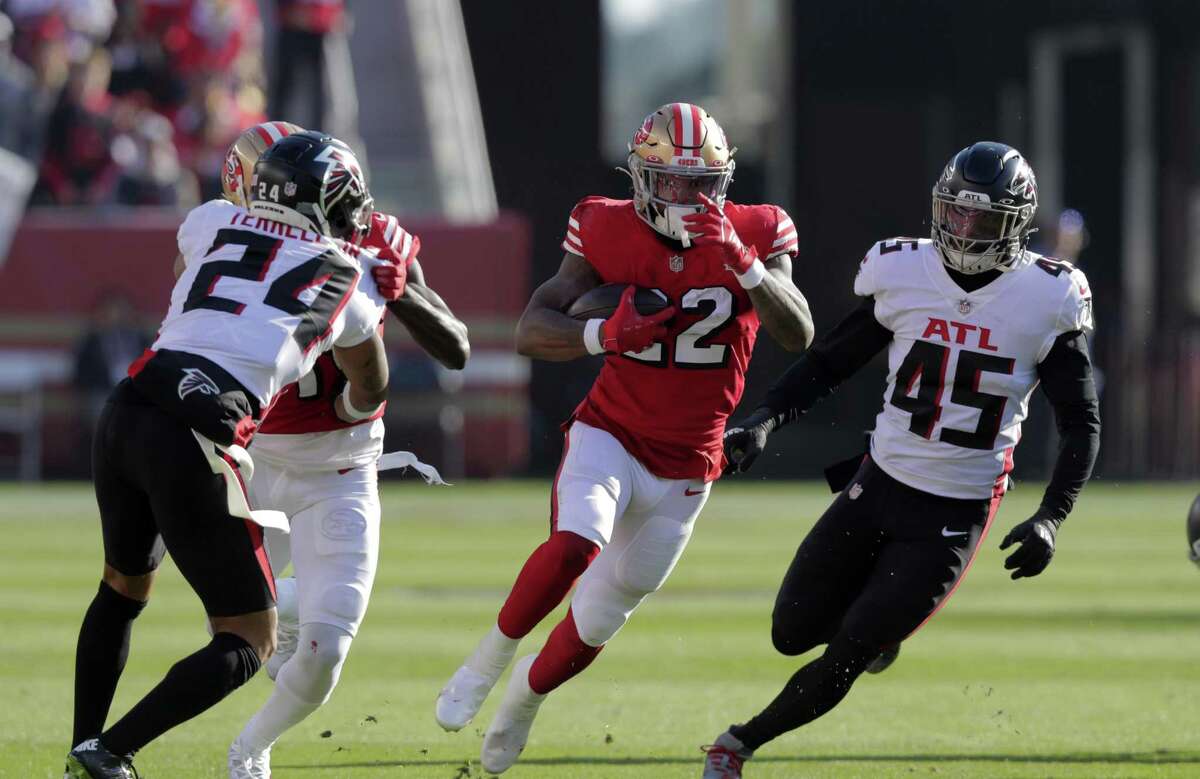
601,302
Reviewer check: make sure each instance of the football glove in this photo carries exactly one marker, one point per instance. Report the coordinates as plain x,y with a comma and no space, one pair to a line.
390,274
745,441
1036,538
712,226
628,331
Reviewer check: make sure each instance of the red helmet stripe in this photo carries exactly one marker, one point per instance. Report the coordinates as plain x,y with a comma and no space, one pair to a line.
677,110
696,137
261,129
282,129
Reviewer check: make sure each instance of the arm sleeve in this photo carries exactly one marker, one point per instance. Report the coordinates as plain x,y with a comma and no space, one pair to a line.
831,360
1066,376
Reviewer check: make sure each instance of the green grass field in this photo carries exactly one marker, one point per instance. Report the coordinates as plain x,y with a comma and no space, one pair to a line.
1090,670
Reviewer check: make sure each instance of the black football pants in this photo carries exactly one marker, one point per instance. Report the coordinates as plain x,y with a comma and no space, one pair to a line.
877,565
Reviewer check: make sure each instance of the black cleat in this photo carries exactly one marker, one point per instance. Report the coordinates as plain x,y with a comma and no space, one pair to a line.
90,760
885,659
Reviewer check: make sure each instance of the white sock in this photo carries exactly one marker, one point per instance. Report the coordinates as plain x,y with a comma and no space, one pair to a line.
303,684
493,654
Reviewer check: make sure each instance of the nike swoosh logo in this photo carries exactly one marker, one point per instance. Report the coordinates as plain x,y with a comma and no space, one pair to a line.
690,492
948,533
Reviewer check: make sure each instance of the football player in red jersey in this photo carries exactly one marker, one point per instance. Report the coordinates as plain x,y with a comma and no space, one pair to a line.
644,446
321,471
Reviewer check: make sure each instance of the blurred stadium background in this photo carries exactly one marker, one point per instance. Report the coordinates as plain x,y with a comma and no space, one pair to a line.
483,122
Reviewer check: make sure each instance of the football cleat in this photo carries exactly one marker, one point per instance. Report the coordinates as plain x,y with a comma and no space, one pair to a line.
677,153
247,764
460,700
884,660
287,625
91,760
509,731
725,757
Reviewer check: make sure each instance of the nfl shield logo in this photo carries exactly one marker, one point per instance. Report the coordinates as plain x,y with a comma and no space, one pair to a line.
855,491
675,263
289,189
964,306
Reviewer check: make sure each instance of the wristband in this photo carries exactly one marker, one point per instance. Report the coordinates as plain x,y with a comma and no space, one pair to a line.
753,276
354,413
591,336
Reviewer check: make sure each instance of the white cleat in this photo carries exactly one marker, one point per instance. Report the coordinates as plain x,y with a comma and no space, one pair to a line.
509,731
462,697
245,764
725,757
287,627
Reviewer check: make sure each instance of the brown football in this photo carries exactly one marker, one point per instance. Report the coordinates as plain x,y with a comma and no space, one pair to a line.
601,302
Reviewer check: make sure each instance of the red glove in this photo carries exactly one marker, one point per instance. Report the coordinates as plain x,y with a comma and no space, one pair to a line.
628,331
711,226
390,275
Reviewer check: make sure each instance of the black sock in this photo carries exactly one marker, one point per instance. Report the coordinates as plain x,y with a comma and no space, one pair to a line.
812,691
193,685
100,658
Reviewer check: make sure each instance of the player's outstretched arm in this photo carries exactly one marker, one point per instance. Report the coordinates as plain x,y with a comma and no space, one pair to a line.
366,369
834,357
781,306
1066,378
545,332
430,321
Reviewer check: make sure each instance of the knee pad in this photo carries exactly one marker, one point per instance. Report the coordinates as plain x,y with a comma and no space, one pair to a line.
651,555
313,671
345,603
601,608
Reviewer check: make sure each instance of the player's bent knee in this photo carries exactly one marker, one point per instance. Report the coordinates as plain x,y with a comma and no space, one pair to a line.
793,634
344,603
600,609
132,587
256,629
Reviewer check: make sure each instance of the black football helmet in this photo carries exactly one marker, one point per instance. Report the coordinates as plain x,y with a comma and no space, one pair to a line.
983,207
313,181
1193,531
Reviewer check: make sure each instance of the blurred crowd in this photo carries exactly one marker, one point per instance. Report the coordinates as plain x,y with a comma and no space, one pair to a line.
134,102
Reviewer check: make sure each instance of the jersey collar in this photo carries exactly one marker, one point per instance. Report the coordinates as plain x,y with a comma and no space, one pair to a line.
967,303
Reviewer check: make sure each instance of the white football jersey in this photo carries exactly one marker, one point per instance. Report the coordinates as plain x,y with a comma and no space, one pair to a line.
962,365
263,299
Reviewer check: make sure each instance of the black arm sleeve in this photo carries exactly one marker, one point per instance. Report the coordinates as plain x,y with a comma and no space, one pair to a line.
1066,376
834,357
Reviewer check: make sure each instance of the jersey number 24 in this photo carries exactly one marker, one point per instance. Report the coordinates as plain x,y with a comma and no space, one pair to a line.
336,282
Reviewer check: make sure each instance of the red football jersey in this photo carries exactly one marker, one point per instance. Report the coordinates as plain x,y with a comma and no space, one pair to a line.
668,405
307,405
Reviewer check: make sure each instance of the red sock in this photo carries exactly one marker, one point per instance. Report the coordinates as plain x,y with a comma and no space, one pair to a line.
544,581
563,656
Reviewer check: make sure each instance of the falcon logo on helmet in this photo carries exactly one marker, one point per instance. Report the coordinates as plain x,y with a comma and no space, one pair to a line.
677,153
983,208
322,184
237,175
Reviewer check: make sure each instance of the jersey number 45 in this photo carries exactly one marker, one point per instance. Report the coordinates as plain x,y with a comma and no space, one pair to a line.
924,368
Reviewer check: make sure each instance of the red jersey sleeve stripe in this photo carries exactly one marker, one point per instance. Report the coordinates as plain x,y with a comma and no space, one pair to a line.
567,246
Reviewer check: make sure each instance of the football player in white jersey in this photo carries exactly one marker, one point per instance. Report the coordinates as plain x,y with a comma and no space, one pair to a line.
320,470
260,295
972,321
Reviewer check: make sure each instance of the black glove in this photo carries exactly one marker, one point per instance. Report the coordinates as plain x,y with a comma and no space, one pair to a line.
1036,537
746,440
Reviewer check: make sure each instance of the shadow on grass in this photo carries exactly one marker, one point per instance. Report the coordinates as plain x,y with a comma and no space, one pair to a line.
1157,757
